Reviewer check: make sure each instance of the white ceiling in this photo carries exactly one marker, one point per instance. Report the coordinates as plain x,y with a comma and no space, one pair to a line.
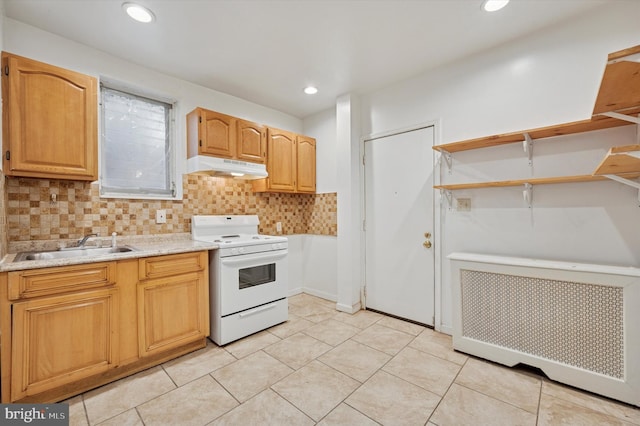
267,51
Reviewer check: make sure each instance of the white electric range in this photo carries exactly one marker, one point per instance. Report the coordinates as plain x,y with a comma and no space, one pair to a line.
248,275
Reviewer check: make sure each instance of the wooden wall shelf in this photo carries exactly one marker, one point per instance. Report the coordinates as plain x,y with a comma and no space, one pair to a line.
619,96
620,159
532,181
596,123
620,87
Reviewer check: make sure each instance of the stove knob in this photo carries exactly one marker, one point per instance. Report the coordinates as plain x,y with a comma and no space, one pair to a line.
234,251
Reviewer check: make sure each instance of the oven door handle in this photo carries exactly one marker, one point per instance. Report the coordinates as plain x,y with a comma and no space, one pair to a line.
257,310
244,259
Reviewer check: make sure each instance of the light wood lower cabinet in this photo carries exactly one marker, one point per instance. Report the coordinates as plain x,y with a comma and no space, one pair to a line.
61,339
184,295
62,334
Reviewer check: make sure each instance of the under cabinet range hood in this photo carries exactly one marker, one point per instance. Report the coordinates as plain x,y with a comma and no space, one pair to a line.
224,167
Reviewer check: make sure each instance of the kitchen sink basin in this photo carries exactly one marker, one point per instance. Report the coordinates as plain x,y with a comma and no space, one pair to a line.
70,253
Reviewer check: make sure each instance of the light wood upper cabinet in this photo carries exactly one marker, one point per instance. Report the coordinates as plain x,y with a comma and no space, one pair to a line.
61,339
173,306
306,164
210,133
251,141
49,121
220,135
281,163
291,163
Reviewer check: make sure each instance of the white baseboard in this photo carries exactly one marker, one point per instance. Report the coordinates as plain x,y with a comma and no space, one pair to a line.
297,290
318,293
348,308
445,329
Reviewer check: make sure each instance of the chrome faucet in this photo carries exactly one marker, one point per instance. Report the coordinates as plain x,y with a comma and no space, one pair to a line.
84,239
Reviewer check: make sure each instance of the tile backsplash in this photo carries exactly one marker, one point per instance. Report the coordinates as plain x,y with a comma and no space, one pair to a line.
76,209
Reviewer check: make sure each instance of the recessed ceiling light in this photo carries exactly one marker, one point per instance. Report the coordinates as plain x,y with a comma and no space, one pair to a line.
493,5
310,90
137,12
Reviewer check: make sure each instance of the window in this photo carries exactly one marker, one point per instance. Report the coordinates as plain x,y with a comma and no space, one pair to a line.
137,146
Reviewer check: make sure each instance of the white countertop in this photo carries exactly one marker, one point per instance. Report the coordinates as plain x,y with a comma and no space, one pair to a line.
144,247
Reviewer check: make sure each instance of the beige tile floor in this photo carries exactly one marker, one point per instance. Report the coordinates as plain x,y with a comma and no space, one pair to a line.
329,368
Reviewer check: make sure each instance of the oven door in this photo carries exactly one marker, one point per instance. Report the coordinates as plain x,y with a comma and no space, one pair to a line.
250,280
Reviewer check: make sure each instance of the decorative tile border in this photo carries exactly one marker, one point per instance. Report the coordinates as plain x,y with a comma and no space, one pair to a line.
78,209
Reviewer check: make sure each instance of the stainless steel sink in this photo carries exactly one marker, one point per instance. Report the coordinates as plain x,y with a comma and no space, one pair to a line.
70,253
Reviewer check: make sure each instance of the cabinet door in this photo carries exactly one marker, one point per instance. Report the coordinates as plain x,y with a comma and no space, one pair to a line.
217,134
172,311
50,121
62,339
306,164
252,142
281,160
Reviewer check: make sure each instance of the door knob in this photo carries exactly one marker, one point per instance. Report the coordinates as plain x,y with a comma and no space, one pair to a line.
427,235
427,244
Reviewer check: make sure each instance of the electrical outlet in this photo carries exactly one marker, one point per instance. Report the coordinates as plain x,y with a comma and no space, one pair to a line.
279,226
464,204
161,216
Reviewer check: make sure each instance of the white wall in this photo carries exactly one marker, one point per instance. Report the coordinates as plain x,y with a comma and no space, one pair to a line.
319,260
322,126
546,78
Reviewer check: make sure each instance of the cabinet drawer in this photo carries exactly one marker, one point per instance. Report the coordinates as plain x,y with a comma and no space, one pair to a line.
173,264
47,281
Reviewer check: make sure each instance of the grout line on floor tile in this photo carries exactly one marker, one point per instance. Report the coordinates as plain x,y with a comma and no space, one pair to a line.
167,373
448,389
596,396
139,415
539,401
225,389
86,413
496,399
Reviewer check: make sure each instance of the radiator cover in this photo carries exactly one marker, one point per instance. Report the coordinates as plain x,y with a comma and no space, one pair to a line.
576,322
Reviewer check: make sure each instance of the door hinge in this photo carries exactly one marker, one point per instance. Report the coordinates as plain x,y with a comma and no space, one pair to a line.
7,155
363,160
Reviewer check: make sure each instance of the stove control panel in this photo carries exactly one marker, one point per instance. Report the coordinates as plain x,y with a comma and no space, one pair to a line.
255,248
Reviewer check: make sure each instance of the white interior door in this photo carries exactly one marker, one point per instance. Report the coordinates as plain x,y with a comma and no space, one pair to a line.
399,213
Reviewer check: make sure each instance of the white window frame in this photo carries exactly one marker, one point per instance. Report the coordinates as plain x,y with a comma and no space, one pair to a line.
174,177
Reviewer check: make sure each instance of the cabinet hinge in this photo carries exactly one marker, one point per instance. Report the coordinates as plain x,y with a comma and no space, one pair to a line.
6,70
200,119
7,155
200,143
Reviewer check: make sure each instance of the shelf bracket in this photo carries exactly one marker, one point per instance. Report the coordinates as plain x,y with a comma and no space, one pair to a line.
527,194
447,157
527,144
448,195
629,182
625,117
